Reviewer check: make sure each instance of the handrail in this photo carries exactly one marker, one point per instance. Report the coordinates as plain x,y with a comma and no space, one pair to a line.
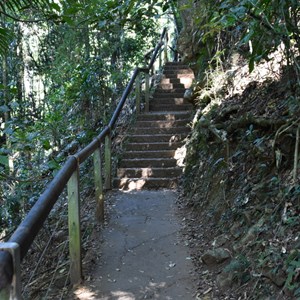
31,225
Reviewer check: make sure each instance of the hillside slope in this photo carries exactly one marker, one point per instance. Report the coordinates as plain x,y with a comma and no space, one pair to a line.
241,184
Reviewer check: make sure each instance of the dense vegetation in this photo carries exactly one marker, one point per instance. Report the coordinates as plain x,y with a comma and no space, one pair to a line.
60,81
63,67
242,173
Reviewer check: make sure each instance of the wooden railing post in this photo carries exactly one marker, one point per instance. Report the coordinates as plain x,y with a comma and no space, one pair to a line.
14,290
74,228
147,91
98,186
138,93
108,162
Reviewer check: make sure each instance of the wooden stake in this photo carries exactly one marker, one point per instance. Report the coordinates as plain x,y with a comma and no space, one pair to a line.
98,186
74,228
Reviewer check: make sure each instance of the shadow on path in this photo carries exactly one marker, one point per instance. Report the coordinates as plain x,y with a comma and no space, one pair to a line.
142,255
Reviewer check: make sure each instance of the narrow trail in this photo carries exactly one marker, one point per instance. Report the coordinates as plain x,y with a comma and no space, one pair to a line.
142,255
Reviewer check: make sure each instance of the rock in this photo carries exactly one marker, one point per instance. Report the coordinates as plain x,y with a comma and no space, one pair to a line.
220,240
236,230
277,277
216,256
250,236
225,280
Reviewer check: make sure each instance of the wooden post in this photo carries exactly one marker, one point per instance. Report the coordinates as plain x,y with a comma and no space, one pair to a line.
98,186
138,93
74,228
147,91
14,290
108,162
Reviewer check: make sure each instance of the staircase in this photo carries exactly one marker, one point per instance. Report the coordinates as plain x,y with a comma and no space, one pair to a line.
150,157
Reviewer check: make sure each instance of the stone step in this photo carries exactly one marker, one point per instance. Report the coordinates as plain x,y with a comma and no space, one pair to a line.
163,116
148,163
169,101
168,94
170,108
156,131
171,86
145,183
149,172
152,146
186,81
156,138
178,71
163,123
166,80
148,154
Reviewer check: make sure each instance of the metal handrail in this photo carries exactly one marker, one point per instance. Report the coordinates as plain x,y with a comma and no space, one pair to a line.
31,225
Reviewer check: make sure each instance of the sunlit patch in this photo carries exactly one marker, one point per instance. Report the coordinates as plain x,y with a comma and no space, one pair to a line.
83,293
179,101
180,155
173,139
120,295
147,172
131,185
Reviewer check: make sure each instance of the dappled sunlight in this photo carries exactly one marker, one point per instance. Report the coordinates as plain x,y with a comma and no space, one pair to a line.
93,292
147,172
130,185
120,295
186,81
180,155
84,293
179,101
174,139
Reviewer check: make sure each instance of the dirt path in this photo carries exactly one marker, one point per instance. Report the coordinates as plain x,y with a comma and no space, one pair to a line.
142,254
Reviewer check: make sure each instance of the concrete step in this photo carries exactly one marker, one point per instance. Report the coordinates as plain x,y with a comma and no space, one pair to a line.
149,172
156,131
168,94
157,138
169,101
181,71
148,154
145,183
148,163
163,123
163,116
170,108
166,80
171,86
152,146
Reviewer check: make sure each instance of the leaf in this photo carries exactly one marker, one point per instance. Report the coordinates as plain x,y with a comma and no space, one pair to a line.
55,6
4,108
4,160
46,144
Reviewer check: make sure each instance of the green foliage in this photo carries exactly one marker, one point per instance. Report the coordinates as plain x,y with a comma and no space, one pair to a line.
293,267
256,27
65,65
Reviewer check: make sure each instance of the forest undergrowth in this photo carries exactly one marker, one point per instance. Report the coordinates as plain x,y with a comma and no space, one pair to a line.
241,184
